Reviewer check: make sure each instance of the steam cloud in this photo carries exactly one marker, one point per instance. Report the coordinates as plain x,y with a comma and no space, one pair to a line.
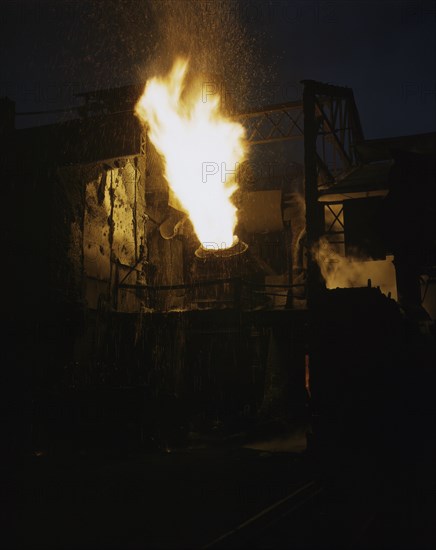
348,272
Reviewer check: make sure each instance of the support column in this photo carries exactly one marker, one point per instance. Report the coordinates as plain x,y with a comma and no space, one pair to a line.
313,218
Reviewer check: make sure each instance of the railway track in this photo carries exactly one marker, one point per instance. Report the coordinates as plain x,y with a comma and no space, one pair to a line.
256,528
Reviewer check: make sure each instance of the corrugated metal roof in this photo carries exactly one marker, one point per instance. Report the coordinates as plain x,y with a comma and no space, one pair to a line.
372,177
365,180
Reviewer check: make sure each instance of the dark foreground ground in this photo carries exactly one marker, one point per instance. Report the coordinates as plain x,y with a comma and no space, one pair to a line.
225,494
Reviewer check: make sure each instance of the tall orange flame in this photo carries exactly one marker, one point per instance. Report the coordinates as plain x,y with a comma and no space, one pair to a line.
201,150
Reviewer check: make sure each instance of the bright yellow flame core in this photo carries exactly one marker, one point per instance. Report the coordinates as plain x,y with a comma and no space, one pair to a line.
201,150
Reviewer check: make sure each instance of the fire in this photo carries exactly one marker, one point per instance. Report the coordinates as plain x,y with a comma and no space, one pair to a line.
201,150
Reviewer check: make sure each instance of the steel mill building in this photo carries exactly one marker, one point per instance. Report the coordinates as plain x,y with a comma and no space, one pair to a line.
124,304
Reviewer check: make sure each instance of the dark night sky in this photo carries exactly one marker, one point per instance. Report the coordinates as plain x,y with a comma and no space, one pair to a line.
384,50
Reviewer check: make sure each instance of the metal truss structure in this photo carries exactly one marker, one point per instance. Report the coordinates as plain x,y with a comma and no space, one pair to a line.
336,127
328,122
281,122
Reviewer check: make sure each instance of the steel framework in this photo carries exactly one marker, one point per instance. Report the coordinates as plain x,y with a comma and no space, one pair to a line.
328,122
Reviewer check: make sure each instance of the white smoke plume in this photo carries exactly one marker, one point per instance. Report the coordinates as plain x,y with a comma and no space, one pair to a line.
349,272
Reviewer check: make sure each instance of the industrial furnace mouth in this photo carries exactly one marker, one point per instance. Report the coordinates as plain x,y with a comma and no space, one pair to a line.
238,247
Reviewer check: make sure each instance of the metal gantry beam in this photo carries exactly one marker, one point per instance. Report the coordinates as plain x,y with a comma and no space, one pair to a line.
336,127
281,122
